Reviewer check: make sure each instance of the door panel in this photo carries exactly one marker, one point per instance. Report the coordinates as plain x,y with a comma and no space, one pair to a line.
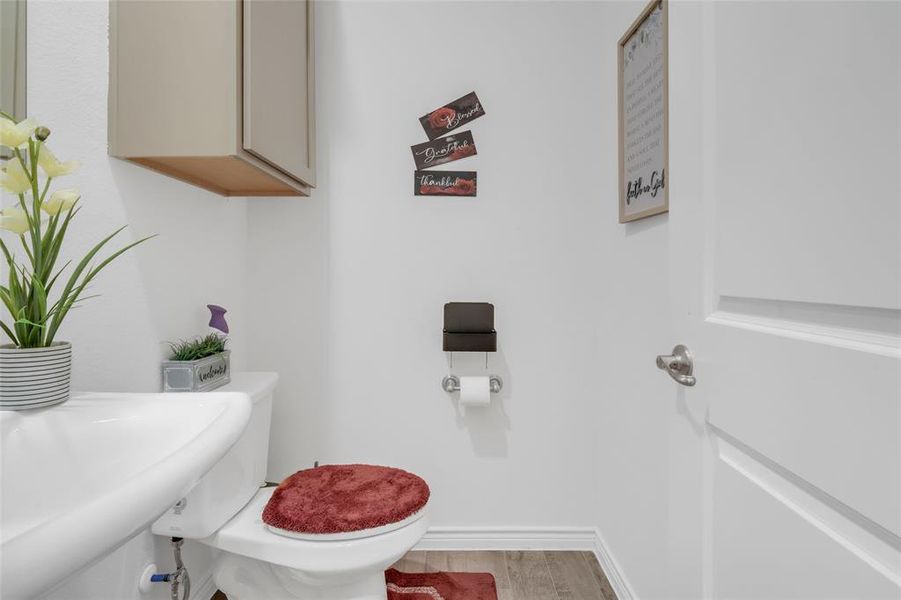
807,140
277,85
830,415
787,550
790,225
786,263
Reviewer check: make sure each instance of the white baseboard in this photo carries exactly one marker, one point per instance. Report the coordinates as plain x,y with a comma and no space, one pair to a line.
507,538
518,538
612,570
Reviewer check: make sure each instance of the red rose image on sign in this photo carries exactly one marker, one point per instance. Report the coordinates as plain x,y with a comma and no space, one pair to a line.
442,117
452,115
443,150
463,152
444,183
463,187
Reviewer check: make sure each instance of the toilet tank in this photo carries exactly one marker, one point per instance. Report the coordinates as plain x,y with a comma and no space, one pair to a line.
234,480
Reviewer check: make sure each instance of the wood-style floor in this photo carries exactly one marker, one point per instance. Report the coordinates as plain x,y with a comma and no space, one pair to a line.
522,575
519,575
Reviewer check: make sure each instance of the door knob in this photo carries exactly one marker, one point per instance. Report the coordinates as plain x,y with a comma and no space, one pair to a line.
679,365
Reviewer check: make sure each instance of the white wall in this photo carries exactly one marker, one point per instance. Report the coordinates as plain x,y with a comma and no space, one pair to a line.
631,423
157,292
344,291
362,364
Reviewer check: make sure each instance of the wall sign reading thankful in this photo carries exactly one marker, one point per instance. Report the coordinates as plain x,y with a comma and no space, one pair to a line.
643,116
444,183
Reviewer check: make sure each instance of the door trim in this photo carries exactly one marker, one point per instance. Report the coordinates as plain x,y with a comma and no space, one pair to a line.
865,539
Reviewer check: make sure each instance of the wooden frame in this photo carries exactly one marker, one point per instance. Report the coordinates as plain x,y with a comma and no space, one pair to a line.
664,207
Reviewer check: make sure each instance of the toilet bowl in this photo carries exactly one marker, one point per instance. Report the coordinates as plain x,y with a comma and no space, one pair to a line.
258,562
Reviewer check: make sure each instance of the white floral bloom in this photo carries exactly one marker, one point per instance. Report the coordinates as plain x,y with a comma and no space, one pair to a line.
51,165
13,135
14,219
61,200
14,178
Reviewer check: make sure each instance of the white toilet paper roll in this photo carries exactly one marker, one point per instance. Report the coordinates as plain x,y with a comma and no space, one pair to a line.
475,391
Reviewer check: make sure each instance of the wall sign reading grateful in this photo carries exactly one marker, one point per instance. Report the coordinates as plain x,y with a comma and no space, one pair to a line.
643,116
443,150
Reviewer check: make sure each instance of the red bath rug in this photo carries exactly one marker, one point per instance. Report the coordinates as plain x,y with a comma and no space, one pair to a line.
440,586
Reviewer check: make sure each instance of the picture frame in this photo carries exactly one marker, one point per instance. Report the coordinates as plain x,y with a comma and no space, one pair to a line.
643,115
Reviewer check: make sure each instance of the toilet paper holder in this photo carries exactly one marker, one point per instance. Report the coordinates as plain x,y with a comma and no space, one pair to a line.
451,383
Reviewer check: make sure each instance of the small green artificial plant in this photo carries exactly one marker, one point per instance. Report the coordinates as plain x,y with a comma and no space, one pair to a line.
41,223
198,348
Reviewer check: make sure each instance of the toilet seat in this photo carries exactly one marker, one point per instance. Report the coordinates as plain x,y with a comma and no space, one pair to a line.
345,501
246,535
346,535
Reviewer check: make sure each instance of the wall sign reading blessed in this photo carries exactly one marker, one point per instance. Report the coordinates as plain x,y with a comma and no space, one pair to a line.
443,150
444,183
643,116
452,115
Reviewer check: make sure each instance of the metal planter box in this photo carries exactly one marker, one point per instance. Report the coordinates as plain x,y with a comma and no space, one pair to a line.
197,375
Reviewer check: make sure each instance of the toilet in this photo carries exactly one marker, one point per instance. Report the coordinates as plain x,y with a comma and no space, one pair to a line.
257,561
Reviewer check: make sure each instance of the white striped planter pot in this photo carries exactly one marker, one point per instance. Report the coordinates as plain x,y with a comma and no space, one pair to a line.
34,377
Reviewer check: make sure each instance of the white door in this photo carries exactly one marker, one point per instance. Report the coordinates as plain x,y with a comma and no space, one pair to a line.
785,199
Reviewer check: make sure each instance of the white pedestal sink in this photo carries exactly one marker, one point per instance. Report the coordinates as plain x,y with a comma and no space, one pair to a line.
81,478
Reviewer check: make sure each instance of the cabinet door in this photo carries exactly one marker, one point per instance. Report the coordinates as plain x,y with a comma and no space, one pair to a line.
278,85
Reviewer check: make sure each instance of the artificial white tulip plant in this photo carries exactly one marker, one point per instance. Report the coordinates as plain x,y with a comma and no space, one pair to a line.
40,221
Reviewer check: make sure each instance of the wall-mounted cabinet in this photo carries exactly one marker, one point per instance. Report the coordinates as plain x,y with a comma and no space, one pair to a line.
218,94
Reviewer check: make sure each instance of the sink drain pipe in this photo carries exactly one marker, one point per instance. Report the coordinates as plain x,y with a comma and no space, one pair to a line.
179,576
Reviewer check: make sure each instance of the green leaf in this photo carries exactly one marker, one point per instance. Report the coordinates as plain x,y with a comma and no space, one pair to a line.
6,253
48,239
58,239
9,333
22,329
7,299
73,281
31,323
195,349
58,273
39,306
69,296
15,288
27,251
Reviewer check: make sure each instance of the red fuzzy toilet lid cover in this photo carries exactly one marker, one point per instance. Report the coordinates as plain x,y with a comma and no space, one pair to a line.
343,498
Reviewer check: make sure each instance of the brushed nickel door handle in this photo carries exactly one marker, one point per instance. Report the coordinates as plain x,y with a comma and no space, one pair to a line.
679,365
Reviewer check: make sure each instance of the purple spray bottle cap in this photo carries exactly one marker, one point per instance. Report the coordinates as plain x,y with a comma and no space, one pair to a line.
217,318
